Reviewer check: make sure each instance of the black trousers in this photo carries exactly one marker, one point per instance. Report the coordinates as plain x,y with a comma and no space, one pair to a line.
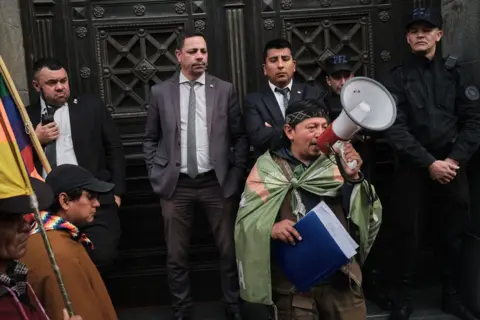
104,232
414,196
178,216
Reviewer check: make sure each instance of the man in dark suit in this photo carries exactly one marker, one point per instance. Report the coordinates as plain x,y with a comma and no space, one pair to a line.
264,111
196,152
80,131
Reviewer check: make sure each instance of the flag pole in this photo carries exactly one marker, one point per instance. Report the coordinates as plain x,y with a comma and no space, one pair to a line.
26,119
33,196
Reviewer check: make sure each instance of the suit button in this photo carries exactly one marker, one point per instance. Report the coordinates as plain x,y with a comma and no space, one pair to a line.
177,164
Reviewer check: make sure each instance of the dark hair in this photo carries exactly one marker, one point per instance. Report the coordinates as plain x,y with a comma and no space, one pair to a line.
276,44
188,33
72,195
310,107
49,63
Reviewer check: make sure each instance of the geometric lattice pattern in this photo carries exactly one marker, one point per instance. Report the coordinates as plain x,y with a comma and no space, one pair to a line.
268,6
314,40
132,60
198,7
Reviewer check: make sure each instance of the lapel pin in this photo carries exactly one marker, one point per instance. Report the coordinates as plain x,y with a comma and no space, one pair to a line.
75,101
299,92
211,86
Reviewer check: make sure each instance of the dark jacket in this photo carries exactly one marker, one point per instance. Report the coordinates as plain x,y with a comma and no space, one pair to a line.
435,118
261,107
96,140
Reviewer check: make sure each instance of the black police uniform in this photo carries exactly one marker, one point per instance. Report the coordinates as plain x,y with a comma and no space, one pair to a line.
437,118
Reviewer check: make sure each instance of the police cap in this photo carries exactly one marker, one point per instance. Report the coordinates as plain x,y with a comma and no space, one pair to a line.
337,63
431,16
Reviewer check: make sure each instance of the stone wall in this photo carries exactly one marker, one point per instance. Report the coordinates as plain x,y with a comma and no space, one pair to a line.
462,33
11,45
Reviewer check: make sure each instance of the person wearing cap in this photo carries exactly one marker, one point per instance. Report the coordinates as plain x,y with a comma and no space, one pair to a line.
264,111
17,298
285,184
436,131
338,71
76,193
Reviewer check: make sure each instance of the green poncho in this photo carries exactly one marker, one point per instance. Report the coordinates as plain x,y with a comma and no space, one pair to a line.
265,191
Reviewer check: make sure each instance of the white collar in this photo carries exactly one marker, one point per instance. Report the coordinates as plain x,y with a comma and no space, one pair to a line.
289,85
184,79
43,105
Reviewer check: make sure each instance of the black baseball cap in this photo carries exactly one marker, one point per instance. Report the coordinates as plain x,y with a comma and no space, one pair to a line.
22,204
430,16
338,63
67,177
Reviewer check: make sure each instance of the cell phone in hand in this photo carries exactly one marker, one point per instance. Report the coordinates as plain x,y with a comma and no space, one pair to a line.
46,119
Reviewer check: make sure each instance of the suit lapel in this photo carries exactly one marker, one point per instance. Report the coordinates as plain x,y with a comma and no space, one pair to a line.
175,94
74,111
34,113
297,92
272,105
209,99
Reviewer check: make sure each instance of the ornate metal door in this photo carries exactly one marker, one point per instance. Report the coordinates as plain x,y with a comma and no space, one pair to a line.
119,49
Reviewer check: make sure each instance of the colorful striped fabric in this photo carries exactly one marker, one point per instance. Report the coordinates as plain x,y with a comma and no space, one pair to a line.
12,170
53,222
18,127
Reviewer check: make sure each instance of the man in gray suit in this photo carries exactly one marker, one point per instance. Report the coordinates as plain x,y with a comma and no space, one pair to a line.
196,152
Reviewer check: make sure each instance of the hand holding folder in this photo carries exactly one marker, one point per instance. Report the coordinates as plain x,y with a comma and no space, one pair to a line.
325,247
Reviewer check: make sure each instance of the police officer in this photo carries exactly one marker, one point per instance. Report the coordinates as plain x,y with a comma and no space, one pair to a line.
436,132
338,71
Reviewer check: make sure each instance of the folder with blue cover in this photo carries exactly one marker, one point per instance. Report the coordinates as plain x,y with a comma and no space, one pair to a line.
325,247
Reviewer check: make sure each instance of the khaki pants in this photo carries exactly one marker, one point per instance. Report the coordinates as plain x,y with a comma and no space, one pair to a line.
340,299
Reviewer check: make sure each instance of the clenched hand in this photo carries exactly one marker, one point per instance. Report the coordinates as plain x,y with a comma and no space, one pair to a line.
47,133
443,171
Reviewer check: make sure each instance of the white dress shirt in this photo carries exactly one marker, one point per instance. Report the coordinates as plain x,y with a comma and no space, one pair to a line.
201,124
64,145
279,96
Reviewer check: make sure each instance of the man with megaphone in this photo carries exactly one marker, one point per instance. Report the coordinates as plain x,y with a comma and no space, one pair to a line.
283,186
436,131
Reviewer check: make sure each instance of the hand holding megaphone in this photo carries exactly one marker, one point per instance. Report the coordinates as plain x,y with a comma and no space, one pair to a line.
366,104
339,147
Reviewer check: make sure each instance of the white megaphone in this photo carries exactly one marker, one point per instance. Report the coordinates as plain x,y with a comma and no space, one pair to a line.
366,104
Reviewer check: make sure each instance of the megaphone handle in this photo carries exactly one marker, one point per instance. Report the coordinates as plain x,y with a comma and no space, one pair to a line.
343,173
352,164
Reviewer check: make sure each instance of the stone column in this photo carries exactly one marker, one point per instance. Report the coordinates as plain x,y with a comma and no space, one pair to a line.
11,45
461,33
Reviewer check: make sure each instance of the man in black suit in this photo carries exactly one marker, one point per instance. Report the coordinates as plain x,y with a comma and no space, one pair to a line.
264,111
81,131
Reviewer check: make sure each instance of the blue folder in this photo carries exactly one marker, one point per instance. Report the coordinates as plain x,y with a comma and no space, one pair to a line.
313,259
